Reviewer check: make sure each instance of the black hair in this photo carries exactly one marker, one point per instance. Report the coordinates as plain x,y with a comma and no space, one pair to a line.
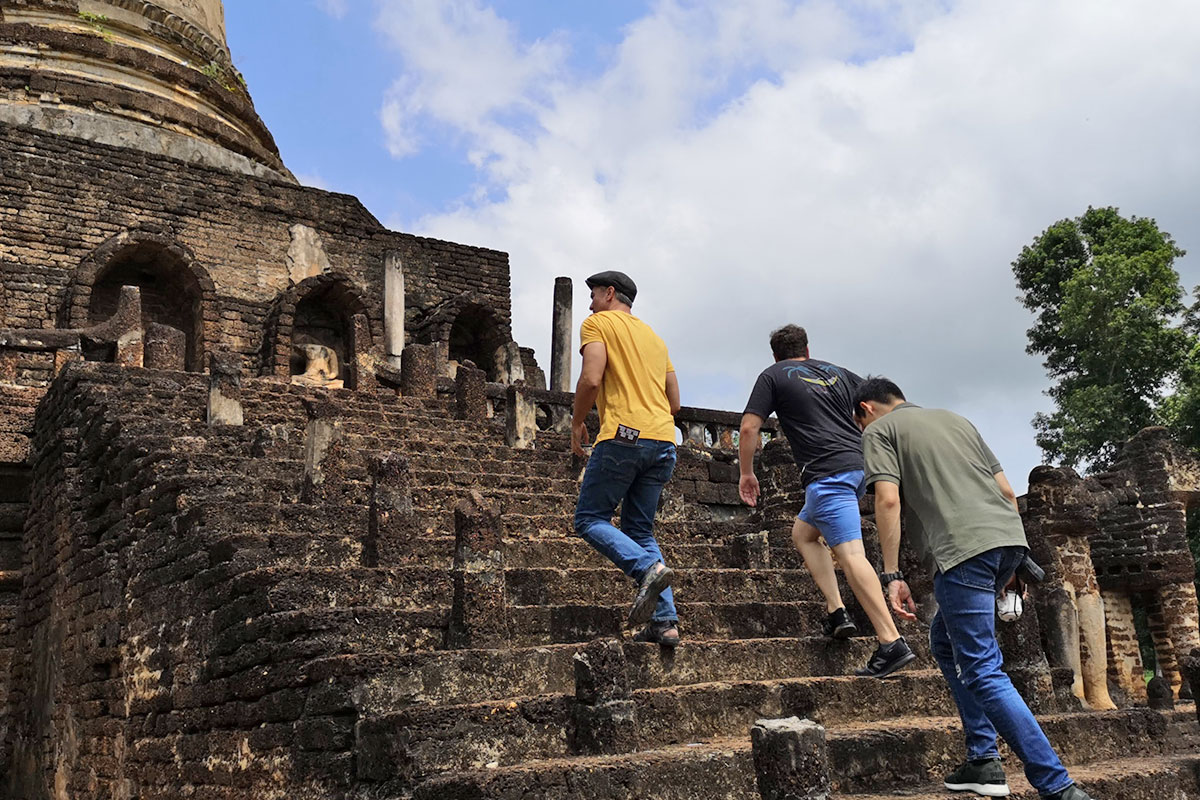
875,389
790,341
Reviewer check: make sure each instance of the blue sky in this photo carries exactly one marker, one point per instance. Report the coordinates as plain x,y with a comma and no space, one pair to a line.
866,168
318,79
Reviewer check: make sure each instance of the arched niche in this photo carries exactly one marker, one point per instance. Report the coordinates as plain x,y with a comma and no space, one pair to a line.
319,311
475,336
469,330
175,290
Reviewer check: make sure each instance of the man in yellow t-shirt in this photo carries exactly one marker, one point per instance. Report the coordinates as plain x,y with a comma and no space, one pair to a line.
629,377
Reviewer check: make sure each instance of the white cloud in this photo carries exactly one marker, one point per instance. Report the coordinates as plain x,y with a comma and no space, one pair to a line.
334,8
868,170
312,179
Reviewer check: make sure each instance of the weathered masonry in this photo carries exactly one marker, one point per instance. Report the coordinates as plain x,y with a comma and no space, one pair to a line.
285,512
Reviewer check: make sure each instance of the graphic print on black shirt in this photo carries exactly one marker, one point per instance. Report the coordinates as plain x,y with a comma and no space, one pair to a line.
814,402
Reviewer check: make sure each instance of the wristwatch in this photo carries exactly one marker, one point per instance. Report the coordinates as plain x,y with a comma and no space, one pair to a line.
886,578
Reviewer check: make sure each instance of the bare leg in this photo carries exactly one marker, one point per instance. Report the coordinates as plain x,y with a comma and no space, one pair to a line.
865,584
820,564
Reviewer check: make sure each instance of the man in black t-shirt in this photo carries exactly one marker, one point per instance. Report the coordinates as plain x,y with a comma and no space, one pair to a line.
814,402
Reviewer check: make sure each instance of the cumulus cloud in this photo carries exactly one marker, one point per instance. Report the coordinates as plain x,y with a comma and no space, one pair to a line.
866,169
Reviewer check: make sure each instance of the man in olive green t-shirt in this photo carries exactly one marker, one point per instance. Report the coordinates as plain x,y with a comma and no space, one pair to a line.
962,515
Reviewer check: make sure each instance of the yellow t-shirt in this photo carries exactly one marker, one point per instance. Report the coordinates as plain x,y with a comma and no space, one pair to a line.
633,392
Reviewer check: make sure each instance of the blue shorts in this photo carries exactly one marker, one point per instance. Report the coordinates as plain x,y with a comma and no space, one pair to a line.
831,506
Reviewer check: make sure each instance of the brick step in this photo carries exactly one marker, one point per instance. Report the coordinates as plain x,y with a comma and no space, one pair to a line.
560,525
494,477
292,638
724,769
387,681
521,504
608,586
252,594
533,625
425,741
1173,777
868,756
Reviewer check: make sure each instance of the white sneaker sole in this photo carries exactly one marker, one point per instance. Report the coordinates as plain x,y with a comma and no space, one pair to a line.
985,789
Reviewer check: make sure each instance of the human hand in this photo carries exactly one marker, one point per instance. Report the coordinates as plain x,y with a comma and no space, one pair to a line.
748,489
579,438
901,600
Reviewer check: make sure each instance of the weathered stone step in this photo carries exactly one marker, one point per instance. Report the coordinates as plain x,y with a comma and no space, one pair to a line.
428,740
608,586
383,682
484,477
1173,777
532,625
297,637
869,756
724,769
258,592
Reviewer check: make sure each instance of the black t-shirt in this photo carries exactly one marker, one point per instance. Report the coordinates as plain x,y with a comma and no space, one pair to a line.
814,402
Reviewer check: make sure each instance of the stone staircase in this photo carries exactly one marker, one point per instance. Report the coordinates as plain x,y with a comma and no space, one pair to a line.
326,646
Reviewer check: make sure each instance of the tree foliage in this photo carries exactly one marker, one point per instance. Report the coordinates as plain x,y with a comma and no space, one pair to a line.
1117,337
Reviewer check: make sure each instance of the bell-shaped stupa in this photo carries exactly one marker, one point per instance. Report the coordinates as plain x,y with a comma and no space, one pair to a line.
155,76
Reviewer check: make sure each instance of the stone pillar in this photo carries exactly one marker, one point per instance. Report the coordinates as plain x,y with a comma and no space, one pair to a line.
393,308
603,717
419,371
512,369
470,400
361,358
124,328
393,522
561,335
752,550
479,614
1125,668
790,759
319,437
224,388
1173,623
164,348
520,419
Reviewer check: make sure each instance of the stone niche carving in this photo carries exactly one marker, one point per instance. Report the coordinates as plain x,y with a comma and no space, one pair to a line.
319,334
321,366
1112,543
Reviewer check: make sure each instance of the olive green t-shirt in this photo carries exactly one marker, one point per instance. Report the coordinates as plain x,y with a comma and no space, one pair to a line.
953,507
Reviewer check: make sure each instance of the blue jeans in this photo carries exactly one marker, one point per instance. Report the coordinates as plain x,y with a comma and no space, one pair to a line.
632,475
962,638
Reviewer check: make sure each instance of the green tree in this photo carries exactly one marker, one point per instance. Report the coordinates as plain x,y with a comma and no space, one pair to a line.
1114,331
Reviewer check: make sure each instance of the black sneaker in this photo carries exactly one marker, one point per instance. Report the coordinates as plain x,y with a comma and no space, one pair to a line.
1072,792
886,659
649,589
838,625
985,777
656,633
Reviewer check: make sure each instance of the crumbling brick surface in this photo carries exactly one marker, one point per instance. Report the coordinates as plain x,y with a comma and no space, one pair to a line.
64,200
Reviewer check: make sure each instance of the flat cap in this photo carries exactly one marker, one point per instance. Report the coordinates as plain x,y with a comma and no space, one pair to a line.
618,280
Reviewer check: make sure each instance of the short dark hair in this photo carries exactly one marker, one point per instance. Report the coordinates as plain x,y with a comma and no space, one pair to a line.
790,341
875,389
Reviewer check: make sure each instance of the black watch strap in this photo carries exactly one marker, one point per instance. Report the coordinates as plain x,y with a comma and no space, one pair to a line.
886,578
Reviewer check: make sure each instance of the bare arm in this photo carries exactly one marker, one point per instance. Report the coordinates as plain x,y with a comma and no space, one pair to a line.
673,392
887,520
748,438
595,359
1007,490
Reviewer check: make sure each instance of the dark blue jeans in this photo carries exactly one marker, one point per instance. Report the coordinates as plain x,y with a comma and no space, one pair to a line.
632,475
962,638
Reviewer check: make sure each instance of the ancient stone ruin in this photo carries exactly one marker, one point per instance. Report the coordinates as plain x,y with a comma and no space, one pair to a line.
285,512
